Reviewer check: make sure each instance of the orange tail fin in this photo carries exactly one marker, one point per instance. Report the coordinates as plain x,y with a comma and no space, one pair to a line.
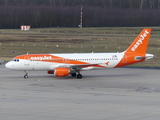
140,44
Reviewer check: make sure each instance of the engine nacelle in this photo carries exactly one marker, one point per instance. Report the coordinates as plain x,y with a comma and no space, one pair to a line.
51,72
61,72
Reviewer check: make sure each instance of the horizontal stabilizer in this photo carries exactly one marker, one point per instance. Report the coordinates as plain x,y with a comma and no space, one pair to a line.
148,56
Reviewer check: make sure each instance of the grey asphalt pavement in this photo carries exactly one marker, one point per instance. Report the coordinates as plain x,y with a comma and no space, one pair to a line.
113,94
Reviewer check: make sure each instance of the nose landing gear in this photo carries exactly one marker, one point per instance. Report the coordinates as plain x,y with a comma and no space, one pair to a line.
26,75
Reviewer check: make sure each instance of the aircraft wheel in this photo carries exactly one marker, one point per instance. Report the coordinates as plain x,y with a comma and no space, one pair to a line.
73,74
26,76
79,76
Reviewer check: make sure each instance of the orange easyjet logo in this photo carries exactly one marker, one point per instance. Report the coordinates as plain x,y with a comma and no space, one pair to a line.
140,41
41,58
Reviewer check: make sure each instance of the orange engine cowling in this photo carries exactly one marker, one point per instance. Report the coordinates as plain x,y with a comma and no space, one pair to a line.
61,72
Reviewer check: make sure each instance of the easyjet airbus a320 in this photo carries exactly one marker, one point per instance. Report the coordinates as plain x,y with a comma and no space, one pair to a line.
64,64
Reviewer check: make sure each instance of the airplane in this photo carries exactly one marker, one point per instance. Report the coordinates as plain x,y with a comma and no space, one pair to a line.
61,65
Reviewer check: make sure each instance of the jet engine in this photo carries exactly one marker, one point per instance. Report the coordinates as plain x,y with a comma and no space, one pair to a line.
61,72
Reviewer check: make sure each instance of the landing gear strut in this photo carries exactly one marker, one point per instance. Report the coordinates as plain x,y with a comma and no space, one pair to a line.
26,75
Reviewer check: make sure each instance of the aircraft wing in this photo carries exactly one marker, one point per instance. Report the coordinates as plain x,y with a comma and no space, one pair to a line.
79,66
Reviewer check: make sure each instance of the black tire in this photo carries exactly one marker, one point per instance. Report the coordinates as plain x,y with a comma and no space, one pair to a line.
26,76
79,76
73,74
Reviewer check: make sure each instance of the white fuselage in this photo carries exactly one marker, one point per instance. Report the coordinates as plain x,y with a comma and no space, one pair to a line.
38,63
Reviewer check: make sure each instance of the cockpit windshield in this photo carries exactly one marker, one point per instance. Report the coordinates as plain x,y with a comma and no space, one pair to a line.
15,60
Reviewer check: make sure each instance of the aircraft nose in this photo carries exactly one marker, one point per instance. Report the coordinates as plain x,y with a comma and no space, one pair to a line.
8,65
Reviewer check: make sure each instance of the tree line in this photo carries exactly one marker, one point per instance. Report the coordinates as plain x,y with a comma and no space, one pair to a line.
138,4
66,13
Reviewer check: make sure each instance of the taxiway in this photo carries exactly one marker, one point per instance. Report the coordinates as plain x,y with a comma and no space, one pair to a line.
114,94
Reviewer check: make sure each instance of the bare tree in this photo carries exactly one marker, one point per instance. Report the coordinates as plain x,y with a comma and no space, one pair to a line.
6,2
141,4
158,3
131,4
54,2
51,2
150,4
110,3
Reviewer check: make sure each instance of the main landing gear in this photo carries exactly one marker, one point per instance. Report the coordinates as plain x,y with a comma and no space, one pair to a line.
79,76
26,75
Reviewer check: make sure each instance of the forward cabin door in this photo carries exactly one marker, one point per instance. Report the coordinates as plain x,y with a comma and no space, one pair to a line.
26,61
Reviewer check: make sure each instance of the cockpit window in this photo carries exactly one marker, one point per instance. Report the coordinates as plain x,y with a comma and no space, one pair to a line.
15,60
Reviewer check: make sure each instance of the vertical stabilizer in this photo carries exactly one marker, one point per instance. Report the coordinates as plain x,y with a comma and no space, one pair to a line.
140,44
136,52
